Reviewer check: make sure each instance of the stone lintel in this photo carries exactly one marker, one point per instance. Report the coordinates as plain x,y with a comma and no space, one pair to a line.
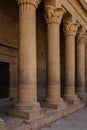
50,2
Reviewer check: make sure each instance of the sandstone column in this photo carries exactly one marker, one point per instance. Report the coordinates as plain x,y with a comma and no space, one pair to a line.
27,105
53,19
70,30
80,66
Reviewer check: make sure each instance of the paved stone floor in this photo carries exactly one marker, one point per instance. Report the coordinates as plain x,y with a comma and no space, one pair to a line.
75,121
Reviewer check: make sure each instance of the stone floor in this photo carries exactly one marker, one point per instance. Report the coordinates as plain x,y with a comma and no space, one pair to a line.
75,121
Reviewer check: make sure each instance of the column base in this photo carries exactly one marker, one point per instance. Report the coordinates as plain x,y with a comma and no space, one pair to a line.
82,95
60,104
71,99
29,112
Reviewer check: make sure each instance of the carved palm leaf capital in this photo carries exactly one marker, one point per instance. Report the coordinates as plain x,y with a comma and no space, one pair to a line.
81,38
70,28
53,15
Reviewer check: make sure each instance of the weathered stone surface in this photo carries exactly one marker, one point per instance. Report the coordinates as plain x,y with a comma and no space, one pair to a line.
28,106
70,30
75,121
14,123
80,66
53,18
2,125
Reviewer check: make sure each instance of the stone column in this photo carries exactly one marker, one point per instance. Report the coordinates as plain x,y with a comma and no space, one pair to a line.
53,19
80,66
70,30
27,106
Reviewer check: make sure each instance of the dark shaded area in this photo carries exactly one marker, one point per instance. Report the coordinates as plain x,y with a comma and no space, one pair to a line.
62,58
41,37
4,80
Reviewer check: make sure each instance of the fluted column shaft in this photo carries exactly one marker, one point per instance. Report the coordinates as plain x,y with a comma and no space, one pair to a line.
70,30
80,66
53,19
27,105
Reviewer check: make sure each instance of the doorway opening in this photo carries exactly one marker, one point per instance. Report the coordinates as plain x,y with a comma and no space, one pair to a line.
4,80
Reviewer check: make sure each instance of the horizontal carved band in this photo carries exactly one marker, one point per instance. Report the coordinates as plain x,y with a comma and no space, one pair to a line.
70,28
53,15
33,2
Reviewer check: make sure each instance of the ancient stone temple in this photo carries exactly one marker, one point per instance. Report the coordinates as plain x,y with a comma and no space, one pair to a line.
43,61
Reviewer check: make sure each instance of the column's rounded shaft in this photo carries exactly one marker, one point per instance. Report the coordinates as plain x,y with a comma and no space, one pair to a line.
53,62
80,67
69,66
27,54
70,30
53,18
27,106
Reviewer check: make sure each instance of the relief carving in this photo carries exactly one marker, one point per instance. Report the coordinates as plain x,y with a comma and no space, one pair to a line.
53,15
70,28
33,2
81,38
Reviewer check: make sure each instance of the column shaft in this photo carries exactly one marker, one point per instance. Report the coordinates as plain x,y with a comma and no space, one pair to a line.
27,55
53,18
27,106
70,30
69,66
53,62
80,88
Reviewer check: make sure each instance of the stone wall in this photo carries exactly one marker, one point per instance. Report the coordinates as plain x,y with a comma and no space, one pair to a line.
9,41
10,55
9,23
9,45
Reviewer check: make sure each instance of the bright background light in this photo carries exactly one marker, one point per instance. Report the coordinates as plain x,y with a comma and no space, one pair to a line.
85,0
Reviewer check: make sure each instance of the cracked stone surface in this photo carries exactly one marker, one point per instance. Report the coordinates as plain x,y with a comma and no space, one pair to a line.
75,121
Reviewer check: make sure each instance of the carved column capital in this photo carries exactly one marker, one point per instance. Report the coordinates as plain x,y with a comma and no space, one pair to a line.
81,38
53,15
32,2
70,28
